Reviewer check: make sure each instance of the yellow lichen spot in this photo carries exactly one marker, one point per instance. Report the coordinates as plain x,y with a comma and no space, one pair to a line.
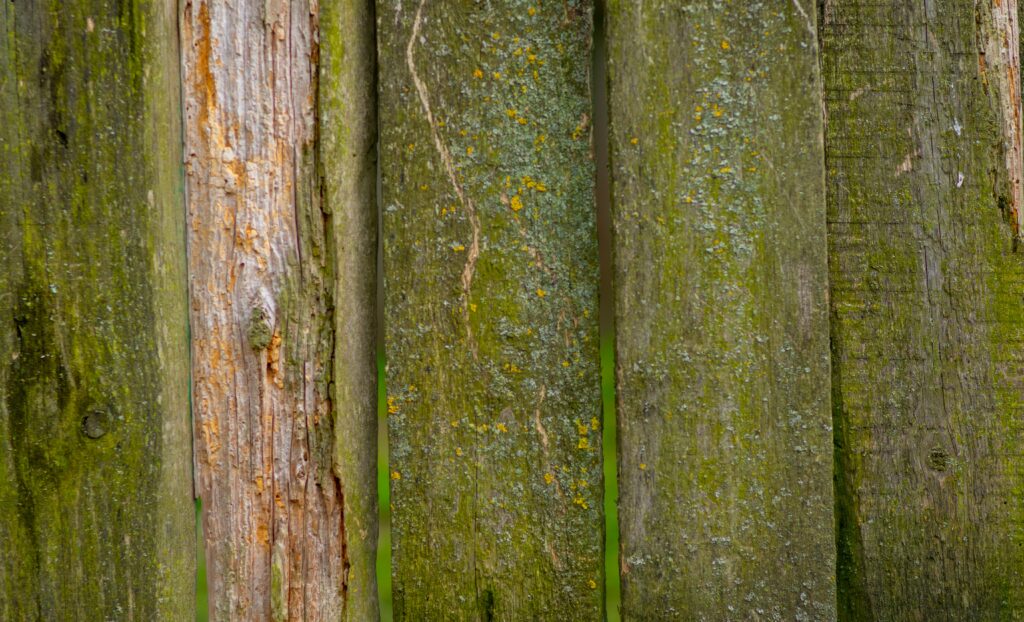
521,120
511,112
424,187
477,73
688,199
458,248
455,423
583,444
540,187
472,307
483,427
516,203
411,146
392,406
541,293
594,423
581,427
592,584
548,478
462,132
643,466
531,11
496,75
634,141
469,150
580,502
458,451
531,58
725,44
518,52
396,475
725,169
565,363
501,427
495,35
412,388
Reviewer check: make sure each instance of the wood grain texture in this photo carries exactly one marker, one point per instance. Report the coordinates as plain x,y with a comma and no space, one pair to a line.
490,256
96,515
927,284
722,361
282,231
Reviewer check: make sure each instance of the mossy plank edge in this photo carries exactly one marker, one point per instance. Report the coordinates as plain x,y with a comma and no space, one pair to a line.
927,320
281,237
96,517
491,278
347,105
720,284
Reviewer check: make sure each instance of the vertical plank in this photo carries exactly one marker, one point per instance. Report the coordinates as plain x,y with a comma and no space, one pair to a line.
282,235
491,282
96,518
927,284
725,453
347,105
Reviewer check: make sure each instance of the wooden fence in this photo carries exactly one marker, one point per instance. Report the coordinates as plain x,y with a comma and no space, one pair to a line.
815,293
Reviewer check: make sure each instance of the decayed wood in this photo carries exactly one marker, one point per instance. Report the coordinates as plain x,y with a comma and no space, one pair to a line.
96,519
927,322
725,441
279,133
490,256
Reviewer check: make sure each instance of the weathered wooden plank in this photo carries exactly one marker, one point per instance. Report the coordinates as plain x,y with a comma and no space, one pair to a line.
96,521
491,282
725,453
282,232
927,285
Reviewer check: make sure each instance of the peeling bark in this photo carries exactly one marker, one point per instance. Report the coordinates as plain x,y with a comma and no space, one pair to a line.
491,310
279,136
96,518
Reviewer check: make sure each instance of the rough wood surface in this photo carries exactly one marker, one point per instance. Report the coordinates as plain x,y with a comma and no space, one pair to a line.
725,452
96,518
279,134
490,255
927,290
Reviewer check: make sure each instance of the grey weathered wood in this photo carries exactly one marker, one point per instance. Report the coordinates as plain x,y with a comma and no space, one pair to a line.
96,518
282,232
490,255
927,289
718,201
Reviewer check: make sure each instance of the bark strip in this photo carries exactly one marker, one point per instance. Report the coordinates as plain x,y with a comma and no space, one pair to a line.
279,134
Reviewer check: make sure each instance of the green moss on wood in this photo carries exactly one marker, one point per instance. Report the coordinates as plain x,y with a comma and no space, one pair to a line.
722,364
926,316
94,477
490,256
